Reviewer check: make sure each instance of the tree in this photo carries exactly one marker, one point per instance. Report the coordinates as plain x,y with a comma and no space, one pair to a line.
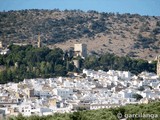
137,96
59,70
141,88
3,77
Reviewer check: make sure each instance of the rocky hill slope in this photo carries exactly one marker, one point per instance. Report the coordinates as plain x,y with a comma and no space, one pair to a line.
123,34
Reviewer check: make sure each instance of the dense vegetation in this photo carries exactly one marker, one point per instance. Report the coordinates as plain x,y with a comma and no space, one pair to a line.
104,114
111,61
30,62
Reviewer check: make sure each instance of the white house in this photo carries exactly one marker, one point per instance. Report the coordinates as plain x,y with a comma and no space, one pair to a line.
65,93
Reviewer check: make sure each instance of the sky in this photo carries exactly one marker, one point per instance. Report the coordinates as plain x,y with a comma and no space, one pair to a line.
142,7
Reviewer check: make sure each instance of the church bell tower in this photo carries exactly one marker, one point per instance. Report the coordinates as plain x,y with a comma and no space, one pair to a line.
39,44
158,65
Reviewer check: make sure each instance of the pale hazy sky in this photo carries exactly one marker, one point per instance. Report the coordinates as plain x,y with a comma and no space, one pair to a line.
143,7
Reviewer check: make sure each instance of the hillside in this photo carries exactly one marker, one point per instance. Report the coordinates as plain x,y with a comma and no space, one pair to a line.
123,34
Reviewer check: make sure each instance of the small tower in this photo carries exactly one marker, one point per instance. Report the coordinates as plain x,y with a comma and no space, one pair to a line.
158,65
76,63
1,44
39,41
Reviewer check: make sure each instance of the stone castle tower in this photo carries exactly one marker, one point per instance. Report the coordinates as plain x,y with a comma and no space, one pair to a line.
80,50
158,65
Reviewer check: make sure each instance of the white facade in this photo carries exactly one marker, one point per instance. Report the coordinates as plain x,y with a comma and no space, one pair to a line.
64,93
43,93
25,109
4,52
